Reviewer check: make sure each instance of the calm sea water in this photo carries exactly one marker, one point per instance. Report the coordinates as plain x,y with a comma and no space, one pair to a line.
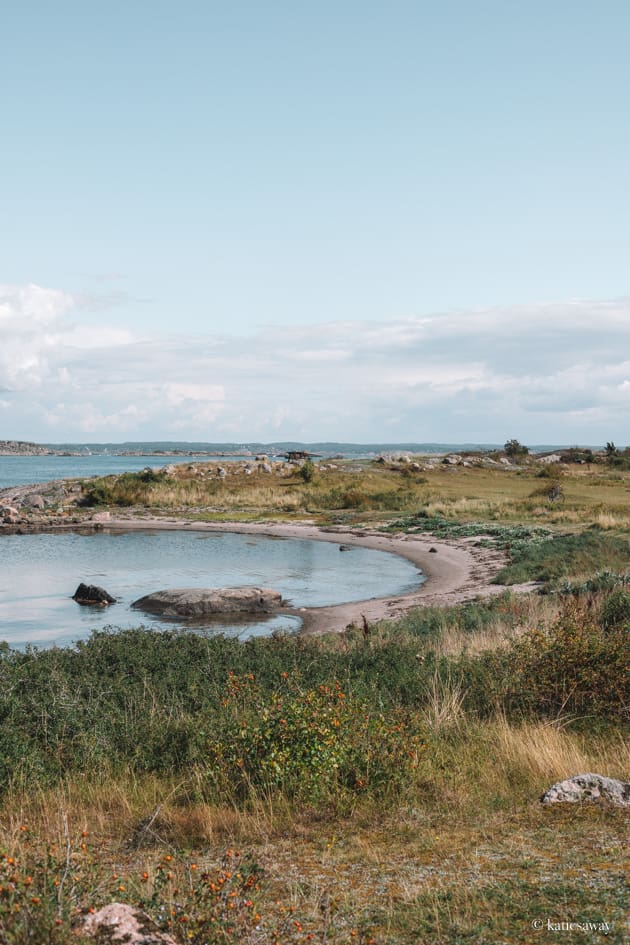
101,459
39,574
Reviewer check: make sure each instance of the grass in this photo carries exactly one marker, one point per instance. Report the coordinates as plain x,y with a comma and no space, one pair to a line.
592,496
565,556
471,857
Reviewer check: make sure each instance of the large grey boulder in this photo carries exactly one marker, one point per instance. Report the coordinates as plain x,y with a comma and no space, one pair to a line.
589,787
9,515
119,922
207,602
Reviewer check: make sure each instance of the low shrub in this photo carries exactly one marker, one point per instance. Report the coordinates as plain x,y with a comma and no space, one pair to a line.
125,490
615,611
601,581
308,744
307,471
572,668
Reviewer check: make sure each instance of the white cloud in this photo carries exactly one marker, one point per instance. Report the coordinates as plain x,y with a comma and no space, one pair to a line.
178,394
554,373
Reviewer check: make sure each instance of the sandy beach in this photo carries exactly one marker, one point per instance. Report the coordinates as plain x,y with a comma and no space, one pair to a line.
455,570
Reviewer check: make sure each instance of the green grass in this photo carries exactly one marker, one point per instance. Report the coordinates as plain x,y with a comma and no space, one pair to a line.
565,556
156,702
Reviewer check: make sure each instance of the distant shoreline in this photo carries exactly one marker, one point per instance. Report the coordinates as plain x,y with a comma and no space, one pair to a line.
149,448
23,449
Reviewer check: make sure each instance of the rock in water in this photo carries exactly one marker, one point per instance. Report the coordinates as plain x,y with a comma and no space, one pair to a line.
119,922
589,787
90,594
207,602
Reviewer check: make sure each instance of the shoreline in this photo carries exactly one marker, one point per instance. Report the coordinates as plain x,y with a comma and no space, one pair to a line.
456,571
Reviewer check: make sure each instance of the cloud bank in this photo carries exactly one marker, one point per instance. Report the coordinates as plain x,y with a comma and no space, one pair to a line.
557,373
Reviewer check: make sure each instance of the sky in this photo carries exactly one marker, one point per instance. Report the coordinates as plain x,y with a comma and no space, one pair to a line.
370,222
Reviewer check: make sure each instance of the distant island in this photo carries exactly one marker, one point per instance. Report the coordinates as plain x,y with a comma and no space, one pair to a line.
24,448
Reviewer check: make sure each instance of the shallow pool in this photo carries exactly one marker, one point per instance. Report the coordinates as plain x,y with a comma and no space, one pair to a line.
40,572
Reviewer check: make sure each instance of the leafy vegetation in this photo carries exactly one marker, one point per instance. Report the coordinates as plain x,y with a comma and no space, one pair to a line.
515,450
128,489
563,556
489,533
307,470
274,714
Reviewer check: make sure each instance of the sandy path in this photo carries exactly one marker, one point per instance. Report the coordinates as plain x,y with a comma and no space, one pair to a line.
456,571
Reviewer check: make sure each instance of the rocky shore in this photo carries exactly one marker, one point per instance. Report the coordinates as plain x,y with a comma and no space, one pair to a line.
22,448
25,448
38,507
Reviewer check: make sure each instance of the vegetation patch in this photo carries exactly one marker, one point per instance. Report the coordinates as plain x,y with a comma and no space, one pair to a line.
489,533
564,556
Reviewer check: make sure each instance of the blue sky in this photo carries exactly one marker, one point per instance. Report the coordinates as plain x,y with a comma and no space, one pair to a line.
189,177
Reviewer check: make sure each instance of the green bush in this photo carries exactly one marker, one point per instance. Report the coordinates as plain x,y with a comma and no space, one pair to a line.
616,610
125,490
308,744
307,470
571,668
515,450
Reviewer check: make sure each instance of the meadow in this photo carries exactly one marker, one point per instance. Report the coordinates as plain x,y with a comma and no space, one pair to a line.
369,787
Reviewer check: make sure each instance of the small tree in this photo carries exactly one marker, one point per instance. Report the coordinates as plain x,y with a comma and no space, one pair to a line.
307,470
515,449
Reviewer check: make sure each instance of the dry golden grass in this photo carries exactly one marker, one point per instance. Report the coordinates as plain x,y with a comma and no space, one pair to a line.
468,857
534,610
374,492
538,753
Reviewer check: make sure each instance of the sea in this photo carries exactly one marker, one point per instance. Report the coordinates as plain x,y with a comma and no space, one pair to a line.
83,460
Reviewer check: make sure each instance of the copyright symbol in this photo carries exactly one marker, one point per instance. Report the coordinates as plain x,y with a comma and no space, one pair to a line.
537,924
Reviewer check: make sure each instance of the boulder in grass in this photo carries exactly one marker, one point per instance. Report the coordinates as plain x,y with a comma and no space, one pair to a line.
119,922
589,787
196,602
92,595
